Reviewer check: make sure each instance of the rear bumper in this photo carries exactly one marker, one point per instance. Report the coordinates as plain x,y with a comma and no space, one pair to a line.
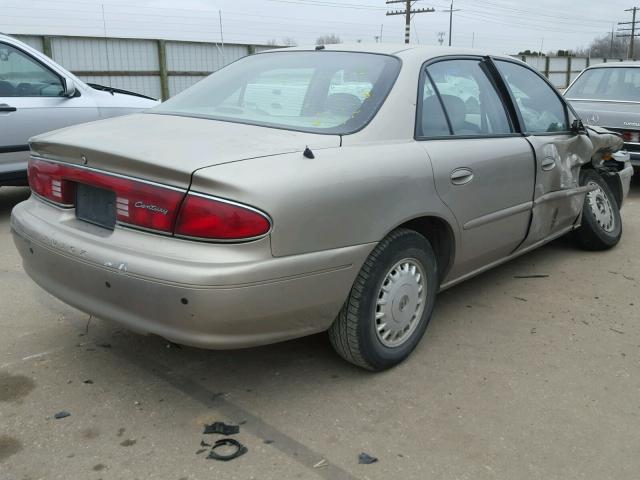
204,295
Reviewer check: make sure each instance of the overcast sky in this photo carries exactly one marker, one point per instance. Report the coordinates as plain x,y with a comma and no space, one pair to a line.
501,26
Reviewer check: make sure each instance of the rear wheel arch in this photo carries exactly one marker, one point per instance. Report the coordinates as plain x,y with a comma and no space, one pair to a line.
440,236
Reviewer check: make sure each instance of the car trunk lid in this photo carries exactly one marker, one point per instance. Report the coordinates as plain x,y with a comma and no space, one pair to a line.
614,115
167,149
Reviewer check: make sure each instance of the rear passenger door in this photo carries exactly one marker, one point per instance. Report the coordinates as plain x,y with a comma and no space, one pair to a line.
484,171
544,118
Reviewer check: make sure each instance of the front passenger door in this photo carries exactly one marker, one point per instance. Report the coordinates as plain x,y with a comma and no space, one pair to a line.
560,153
483,169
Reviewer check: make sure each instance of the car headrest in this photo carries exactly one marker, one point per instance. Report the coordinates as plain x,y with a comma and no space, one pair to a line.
434,124
456,109
6,89
343,103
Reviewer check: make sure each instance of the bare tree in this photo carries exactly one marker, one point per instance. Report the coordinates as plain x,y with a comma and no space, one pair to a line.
602,47
286,42
289,42
328,39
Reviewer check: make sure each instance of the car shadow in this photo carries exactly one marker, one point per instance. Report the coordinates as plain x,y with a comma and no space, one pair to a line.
10,197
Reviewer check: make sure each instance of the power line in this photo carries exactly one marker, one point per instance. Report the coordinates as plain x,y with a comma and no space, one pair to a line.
408,12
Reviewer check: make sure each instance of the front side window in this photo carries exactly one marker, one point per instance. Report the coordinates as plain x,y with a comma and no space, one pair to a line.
22,76
320,92
607,83
472,104
541,109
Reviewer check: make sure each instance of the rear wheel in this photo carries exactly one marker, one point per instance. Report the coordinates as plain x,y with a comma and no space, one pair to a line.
601,222
390,303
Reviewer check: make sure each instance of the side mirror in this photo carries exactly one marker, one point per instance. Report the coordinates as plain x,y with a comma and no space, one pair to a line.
68,87
577,127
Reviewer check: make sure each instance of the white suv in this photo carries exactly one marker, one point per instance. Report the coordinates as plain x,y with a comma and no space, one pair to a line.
38,95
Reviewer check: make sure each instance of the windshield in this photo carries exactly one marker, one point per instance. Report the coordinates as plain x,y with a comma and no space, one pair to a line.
615,83
319,92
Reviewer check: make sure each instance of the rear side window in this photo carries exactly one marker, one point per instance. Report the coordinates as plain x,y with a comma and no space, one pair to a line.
433,122
541,109
472,105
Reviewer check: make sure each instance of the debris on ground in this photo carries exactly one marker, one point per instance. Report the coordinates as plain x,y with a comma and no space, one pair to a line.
531,276
522,299
201,450
321,463
221,428
267,441
204,444
61,414
366,459
240,449
88,382
617,331
104,345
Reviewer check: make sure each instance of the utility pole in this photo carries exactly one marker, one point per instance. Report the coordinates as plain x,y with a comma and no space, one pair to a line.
407,12
450,11
611,46
633,34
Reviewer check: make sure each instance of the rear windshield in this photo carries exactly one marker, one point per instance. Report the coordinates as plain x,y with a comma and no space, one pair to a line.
615,83
319,92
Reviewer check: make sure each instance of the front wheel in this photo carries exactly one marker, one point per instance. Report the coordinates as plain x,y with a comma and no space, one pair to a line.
601,227
390,303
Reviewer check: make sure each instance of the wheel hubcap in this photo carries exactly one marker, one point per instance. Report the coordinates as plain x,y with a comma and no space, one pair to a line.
601,208
400,303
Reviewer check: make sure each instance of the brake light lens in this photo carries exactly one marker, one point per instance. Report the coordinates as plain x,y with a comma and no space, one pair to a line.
46,180
630,136
138,203
150,206
207,218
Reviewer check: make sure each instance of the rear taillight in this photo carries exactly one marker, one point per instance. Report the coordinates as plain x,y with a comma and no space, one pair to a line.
207,218
151,206
46,179
631,136
138,203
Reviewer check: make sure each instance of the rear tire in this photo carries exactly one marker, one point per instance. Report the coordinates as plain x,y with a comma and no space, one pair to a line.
390,303
601,227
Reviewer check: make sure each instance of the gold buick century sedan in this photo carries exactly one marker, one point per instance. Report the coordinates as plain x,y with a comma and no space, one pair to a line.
302,190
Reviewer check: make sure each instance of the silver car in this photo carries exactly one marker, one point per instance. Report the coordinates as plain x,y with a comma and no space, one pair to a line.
608,95
303,190
38,95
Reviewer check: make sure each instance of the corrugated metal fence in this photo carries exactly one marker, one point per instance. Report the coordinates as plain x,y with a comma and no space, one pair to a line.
157,68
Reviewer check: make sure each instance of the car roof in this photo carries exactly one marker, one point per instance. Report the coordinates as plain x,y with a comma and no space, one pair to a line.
398,49
626,63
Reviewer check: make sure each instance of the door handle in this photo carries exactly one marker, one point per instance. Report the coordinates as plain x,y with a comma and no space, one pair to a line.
460,176
7,108
548,164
